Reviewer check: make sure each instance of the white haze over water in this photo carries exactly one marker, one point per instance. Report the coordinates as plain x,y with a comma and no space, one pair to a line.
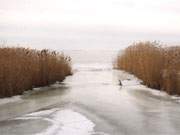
88,24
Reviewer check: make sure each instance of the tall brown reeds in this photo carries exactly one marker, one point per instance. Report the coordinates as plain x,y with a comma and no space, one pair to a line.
22,69
157,66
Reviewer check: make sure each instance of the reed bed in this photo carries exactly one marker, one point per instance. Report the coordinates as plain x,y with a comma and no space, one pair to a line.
22,69
158,67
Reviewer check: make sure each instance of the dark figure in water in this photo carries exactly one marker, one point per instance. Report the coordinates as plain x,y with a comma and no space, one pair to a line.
120,83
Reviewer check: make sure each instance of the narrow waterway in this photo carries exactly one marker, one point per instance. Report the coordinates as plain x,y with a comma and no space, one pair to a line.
92,103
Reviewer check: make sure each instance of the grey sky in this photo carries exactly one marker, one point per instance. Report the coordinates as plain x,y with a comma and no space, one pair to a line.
88,23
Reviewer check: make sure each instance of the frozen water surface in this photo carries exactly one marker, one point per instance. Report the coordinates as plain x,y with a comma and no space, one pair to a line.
92,103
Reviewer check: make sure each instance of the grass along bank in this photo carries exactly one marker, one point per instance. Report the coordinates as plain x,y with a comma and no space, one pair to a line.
23,69
158,67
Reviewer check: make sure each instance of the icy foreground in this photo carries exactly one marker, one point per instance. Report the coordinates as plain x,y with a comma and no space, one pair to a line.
63,122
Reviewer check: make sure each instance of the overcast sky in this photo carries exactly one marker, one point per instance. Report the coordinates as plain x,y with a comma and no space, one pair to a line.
101,23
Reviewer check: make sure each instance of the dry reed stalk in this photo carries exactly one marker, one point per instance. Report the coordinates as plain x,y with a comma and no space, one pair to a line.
158,67
22,69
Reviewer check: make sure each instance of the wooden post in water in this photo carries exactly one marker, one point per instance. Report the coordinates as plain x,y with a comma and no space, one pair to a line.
120,83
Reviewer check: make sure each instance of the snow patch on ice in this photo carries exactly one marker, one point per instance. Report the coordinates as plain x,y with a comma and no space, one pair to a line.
163,94
130,82
68,122
9,100
127,79
157,92
176,98
43,113
63,122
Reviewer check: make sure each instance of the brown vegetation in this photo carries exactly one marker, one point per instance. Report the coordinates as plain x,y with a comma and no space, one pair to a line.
22,69
157,66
